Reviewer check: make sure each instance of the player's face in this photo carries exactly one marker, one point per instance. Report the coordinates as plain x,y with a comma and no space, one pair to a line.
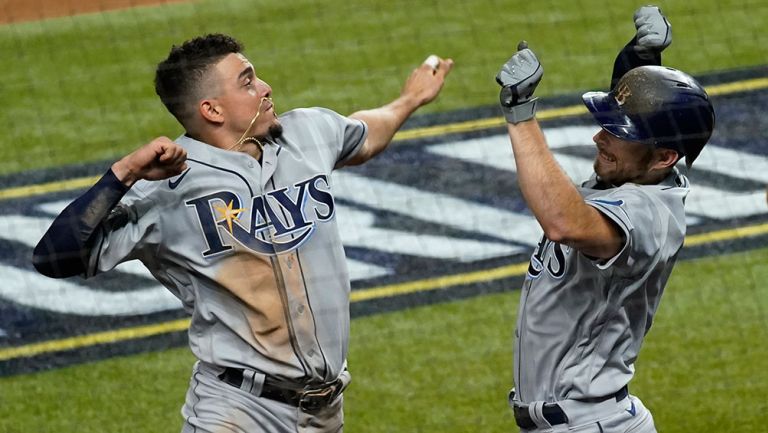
243,95
620,161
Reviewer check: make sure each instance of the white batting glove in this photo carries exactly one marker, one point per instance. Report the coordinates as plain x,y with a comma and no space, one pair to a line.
654,32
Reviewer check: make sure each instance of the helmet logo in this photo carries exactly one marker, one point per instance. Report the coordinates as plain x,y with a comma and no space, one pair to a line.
622,93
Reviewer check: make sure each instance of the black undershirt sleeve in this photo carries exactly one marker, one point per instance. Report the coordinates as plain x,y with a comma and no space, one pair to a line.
65,248
629,59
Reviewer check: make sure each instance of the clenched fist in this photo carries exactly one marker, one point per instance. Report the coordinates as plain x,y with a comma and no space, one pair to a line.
159,159
654,32
518,78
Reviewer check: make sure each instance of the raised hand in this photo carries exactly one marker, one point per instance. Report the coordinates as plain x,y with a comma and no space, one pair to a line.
518,79
654,32
426,81
159,159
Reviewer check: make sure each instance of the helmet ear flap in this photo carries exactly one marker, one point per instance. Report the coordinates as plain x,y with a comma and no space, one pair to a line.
705,125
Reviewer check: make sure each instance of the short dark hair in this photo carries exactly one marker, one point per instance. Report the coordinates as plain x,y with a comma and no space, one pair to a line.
178,78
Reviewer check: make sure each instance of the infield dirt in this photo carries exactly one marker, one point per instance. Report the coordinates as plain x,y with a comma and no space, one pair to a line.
15,11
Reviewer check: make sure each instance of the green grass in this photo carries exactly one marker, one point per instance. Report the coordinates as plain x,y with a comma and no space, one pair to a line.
80,89
447,367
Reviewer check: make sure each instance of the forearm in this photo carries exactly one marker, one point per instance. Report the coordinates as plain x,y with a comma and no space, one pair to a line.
421,87
65,248
653,34
548,191
629,58
383,122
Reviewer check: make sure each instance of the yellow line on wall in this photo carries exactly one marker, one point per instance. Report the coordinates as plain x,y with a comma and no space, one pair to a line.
726,235
93,339
737,86
47,188
439,282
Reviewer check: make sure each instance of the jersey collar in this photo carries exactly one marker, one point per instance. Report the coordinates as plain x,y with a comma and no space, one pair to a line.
674,179
199,150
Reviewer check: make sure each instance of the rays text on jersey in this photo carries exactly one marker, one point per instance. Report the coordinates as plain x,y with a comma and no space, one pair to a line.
278,222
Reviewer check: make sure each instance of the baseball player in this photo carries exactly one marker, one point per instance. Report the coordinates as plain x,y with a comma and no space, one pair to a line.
236,218
596,277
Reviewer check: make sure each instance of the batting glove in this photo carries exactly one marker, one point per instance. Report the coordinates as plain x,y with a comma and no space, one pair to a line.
654,32
518,79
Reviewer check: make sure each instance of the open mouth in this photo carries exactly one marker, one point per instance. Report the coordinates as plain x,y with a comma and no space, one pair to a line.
605,156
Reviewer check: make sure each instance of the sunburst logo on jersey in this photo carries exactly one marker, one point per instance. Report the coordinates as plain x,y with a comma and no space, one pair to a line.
228,214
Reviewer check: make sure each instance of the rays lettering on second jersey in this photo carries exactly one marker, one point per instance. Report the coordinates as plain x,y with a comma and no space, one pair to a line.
549,256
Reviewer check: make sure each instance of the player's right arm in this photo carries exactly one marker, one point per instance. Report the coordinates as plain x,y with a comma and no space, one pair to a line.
552,197
65,248
554,200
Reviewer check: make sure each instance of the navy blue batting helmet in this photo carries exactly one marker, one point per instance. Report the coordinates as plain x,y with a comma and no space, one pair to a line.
659,106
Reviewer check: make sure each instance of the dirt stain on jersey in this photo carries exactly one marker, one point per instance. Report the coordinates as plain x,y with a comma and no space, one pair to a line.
251,279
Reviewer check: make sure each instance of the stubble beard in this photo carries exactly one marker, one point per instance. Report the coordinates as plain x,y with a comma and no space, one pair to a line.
606,175
275,130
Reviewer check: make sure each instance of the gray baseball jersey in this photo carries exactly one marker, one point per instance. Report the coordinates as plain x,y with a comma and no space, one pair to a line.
581,322
252,249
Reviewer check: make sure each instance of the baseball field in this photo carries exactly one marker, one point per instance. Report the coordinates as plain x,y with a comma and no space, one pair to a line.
435,263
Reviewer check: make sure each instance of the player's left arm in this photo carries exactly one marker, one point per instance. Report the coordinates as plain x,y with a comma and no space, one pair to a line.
552,197
421,88
653,33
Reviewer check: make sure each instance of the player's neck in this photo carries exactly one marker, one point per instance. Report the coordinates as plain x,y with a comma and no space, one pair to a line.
251,147
652,177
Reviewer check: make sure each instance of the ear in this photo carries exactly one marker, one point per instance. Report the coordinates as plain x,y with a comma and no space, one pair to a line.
211,111
665,158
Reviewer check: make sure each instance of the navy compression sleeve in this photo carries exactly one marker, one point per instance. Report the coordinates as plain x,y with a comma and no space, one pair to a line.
65,248
628,59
